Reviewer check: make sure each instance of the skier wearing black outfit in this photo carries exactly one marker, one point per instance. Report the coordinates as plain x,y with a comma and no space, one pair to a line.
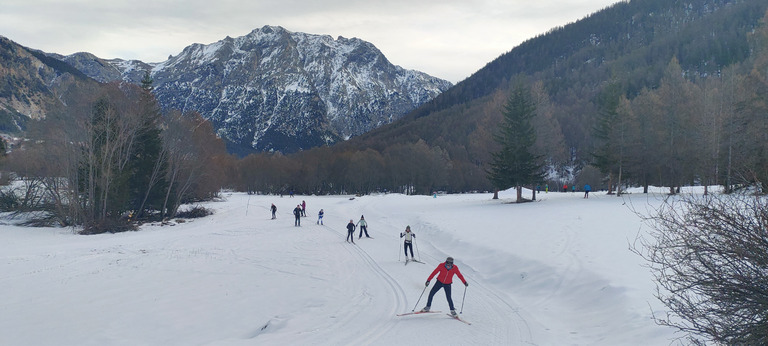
351,231
297,214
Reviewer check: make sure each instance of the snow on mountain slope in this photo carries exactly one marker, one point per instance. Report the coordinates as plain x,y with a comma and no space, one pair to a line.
274,89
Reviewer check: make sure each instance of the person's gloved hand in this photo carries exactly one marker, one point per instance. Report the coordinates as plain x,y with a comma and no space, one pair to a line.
427,284
466,284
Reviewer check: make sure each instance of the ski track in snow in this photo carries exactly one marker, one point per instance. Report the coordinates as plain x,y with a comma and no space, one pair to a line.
487,305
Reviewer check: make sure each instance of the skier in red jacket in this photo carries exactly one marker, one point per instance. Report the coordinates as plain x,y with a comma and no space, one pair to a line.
444,272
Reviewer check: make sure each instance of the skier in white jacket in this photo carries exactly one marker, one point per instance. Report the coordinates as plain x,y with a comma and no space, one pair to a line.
408,243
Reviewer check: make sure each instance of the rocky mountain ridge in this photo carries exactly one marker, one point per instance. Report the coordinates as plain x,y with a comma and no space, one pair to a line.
277,90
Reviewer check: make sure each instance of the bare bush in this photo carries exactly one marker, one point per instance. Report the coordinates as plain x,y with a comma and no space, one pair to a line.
709,258
194,212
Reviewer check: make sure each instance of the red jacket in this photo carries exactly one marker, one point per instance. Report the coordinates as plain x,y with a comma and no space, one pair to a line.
446,276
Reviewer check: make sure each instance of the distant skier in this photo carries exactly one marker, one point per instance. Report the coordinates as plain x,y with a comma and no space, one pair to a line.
303,208
320,217
297,214
408,242
363,227
587,188
351,231
444,272
274,211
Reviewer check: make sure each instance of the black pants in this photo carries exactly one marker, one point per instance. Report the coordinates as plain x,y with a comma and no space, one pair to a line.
351,235
298,221
363,229
406,246
437,287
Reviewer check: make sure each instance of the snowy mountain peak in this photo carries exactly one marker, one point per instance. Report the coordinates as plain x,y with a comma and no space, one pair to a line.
274,89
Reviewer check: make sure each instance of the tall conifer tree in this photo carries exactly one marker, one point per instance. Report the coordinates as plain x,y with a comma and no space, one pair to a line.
515,164
147,182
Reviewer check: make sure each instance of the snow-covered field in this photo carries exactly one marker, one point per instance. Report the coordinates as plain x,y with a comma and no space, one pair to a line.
554,272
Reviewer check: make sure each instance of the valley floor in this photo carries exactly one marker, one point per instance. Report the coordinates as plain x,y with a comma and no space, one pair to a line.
554,272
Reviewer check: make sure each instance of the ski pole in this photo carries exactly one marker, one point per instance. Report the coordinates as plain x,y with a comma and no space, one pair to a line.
422,294
462,299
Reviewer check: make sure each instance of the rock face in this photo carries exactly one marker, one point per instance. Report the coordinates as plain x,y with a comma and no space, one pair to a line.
33,84
279,90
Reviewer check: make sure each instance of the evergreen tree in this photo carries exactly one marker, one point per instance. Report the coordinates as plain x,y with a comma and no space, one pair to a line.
515,164
148,162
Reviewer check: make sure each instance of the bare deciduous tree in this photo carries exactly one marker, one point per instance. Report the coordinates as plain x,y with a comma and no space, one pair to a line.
190,148
709,258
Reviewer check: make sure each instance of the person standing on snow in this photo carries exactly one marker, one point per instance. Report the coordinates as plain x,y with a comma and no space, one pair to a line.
351,231
444,272
303,208
297,214
320,217
587,188
408,243
363,227
274,210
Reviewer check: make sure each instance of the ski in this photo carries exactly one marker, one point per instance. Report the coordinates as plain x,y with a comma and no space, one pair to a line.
417,261
406,261
458,319
418,312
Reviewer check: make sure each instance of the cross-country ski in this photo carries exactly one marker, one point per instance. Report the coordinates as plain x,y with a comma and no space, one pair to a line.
456,317
418,313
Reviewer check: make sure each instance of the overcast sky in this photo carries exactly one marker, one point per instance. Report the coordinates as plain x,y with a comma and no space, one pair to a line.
449,39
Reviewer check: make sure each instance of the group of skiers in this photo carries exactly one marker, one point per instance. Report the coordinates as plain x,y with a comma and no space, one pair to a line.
298,212
351,226
444,272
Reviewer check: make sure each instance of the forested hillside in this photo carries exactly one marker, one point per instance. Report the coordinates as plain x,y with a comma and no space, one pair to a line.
635,92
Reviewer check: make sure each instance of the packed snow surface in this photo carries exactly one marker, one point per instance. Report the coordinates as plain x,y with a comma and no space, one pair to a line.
553,272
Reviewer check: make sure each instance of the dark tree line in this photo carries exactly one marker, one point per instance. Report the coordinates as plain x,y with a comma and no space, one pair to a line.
408,168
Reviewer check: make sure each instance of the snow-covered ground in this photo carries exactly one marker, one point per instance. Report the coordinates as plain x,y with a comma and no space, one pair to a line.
554,272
